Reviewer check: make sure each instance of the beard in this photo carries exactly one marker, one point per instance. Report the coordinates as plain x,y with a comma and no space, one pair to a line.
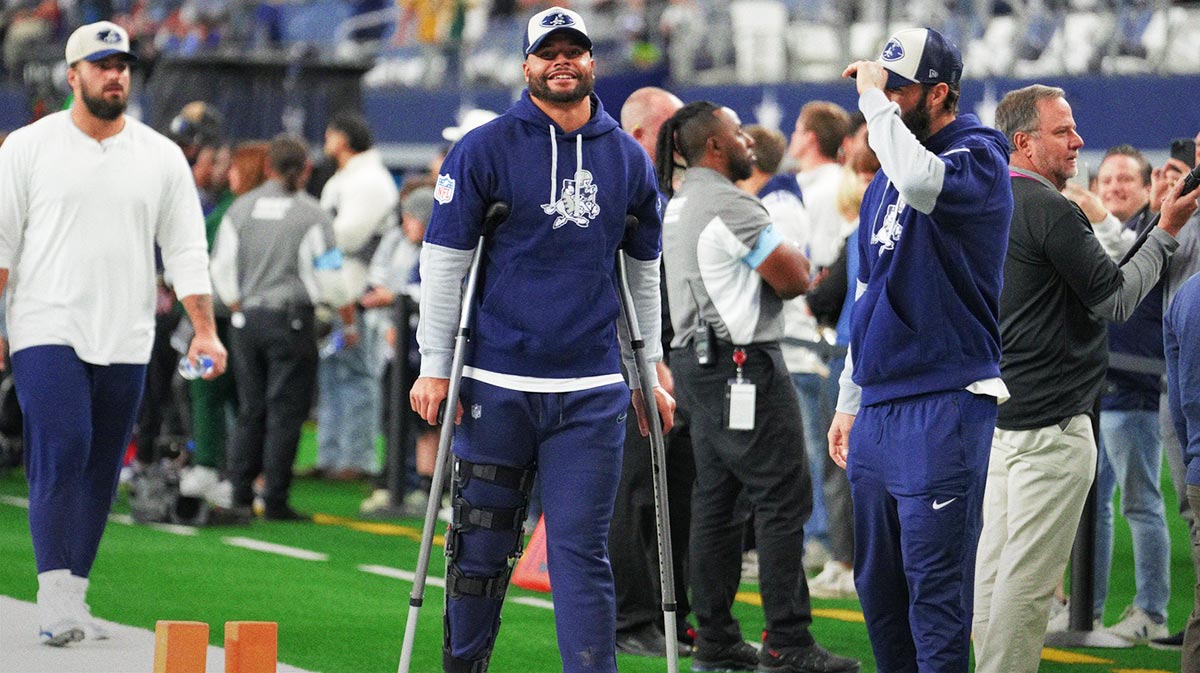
741,167
918,120
105,109
540,88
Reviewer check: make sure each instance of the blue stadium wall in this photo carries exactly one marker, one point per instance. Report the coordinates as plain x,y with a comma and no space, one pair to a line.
1144,111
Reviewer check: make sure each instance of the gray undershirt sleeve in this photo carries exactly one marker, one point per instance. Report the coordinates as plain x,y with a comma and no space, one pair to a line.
442,272
647,303
850,395
1138,277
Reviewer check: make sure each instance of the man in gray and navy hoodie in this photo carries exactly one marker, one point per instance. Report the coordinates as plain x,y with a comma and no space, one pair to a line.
924,353
542,388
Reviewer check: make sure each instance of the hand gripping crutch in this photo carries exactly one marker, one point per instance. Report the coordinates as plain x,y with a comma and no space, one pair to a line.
658,454
496,213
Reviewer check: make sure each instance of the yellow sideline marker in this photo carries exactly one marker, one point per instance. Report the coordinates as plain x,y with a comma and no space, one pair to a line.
1066,657
374,527
180,647
251,647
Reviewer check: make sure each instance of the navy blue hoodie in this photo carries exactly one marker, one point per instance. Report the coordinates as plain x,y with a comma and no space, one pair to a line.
928,319
547,303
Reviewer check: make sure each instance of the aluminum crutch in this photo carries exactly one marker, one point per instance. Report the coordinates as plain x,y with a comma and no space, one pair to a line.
658,454
496,213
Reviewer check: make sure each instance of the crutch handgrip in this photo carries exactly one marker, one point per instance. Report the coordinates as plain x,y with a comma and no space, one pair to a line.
496,213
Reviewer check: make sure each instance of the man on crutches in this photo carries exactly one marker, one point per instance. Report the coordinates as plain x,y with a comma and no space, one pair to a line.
541,390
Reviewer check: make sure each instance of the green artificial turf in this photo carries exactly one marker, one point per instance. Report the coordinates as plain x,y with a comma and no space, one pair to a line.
335,618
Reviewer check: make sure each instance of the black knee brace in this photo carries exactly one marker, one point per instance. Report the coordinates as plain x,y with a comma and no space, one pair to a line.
466,517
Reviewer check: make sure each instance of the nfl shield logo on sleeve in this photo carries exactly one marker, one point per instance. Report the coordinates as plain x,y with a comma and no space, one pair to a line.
444,191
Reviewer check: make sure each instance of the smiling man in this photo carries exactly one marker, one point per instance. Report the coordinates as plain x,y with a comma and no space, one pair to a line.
85,194
1060,288
542,380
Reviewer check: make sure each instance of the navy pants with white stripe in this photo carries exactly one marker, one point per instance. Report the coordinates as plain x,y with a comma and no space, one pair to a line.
917,470
78,420
576,440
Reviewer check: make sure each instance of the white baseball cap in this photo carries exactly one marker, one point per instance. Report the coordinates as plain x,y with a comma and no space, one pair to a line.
921,55
554,20
470,120
96,41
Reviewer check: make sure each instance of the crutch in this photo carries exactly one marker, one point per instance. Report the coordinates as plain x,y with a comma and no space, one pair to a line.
496,213
658,454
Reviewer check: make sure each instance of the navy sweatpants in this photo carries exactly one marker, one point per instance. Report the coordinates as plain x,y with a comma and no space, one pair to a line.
917,470
78,420
576,440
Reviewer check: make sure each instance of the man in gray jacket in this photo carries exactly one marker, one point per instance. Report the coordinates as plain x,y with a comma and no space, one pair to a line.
273,261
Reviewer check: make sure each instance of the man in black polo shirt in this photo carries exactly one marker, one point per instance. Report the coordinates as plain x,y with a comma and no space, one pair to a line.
1059,290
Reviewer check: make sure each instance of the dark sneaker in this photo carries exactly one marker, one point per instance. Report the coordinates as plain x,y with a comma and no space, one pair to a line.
647,641
735,656
285,514
811,659
1171,642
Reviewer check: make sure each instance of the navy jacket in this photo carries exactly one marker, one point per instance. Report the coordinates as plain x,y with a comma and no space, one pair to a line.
928,318
547,301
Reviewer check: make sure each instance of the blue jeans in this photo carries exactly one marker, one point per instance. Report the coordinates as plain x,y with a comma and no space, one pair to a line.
349,386
1131,457
816,423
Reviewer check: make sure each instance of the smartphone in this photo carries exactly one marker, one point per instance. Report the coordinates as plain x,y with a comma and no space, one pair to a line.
1184,149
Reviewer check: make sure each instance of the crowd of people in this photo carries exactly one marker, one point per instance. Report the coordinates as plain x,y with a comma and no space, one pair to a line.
473,40
892,351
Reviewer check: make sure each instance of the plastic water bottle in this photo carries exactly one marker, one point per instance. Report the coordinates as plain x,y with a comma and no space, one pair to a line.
189,371
333,343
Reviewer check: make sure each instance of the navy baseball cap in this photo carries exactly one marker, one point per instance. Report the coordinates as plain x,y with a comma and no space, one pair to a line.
554,20
920,56
96,41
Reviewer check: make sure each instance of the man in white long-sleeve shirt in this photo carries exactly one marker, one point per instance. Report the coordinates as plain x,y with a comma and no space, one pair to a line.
84,196
362,198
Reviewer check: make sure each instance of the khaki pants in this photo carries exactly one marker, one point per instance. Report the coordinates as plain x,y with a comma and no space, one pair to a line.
1037,484
1191,638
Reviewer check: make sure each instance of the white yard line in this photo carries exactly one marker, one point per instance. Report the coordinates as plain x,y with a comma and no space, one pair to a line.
15,501
410,576
118,518
534,602
399,574
172,528
272,548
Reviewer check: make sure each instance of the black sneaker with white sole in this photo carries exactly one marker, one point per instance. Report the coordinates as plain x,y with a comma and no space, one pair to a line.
1171,642
711,657
811,659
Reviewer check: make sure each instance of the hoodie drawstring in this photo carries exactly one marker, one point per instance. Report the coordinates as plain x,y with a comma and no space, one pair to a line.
550,205
553,168
578,172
